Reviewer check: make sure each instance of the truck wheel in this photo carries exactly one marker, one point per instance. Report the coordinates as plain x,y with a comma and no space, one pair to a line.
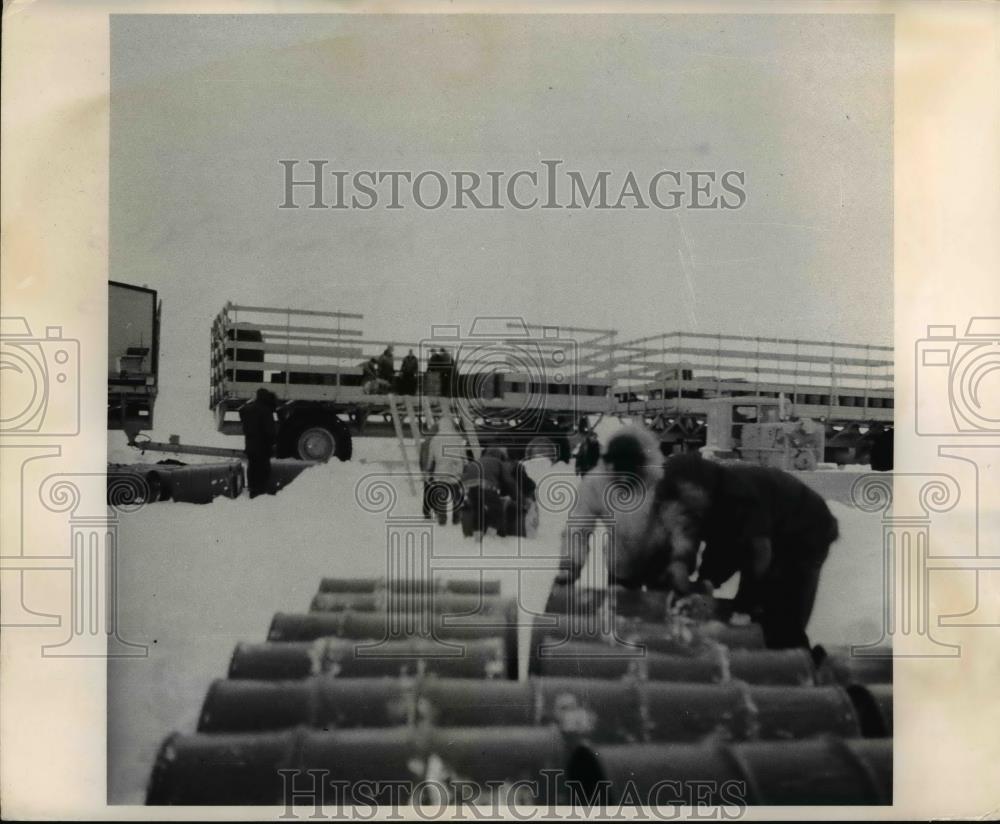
322,441
316,443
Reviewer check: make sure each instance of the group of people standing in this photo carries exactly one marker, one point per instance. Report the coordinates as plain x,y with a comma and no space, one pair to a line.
379,376
491,491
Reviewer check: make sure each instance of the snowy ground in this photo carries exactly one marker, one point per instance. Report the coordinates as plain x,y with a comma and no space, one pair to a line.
196,580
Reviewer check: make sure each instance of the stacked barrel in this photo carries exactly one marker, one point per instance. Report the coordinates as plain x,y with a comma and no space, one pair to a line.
385,692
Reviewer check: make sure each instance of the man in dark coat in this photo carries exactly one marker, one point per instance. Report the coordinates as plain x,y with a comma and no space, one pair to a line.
447,370
588,453
259,433
881,455
761,522
387,367
408,374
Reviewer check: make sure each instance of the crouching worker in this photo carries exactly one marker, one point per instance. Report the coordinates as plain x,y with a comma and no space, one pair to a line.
616,498
488,482
259,432
761,522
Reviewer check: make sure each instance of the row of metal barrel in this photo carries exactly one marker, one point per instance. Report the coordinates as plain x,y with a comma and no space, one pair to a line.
409,683
398,765
603,710
190,483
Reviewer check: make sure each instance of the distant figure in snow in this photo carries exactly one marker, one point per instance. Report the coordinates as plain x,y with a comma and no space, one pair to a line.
447,371
259,433
432,380
588,453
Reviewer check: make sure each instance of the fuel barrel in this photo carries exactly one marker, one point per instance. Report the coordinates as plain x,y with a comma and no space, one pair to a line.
707,668
656,775
442,628
582,600
581,659
817,771
801,712
340,601
355,585
513,755
276,661
873,704
436,602
837,665
685,712
776,667
874,757
221,769
592,709
343,759
464,586
734,636
463,702
470,586
320,702
812,771
350,658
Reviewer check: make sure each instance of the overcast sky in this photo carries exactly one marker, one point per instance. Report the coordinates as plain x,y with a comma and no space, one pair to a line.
203,107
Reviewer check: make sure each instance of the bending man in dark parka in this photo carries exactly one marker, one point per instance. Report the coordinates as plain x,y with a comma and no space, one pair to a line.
761,522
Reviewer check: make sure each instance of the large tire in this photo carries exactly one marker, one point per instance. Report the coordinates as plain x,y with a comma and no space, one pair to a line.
321,440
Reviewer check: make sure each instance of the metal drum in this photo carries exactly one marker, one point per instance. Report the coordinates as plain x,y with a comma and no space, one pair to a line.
462,702
657,775
340,601
470,586
873,703
276,661
774,667
836,665
591,709
801,712
518,756
348,762
221,769
816,771
328,703
349,658
709,668
684,712
355,585
579,659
